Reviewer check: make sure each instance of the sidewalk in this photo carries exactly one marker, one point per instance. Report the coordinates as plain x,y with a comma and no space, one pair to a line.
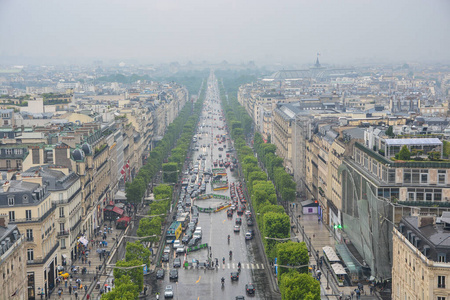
92,269
317,235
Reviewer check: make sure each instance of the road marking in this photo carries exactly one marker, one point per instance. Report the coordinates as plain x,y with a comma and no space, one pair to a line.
262,266
248,266
228,266
253,266
232,265
200,277
257,266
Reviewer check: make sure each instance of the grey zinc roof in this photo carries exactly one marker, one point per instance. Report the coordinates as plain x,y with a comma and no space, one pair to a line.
55,179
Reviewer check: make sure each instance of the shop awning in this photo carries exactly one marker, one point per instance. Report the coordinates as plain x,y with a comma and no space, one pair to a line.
118,210
338,269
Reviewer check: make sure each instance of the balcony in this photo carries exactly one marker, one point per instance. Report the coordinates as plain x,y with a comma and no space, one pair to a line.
35,220
62,233
65,201
29,238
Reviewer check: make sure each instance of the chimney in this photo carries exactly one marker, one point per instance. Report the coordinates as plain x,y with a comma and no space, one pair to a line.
18,176
6,186
3,220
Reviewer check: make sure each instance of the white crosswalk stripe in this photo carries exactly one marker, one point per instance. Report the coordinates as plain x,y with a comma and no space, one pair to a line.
262,266
228,266
253,266
248,266
232,265
257,266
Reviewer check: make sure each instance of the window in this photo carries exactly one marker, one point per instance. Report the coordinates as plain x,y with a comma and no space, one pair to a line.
30,254
18,151
406,176
11,201
63,243
30,235
9,151
423,176
440,298
61,212
18,163
8,164
12,216
28,214
442,176
391,175
441,282
60,196
442,257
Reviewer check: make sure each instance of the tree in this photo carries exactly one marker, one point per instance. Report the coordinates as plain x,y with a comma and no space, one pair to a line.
136,274
390,131
137,251
162,191
292,254
124,289
149,227
404,153
275,225
294,285
170,173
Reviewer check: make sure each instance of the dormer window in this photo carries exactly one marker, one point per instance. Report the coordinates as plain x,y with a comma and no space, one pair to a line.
11,201
25,198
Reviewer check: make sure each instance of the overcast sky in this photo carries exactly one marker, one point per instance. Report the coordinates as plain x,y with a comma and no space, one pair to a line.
288,31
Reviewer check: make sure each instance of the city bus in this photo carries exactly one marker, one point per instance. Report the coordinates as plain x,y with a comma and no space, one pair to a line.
184,219
174,232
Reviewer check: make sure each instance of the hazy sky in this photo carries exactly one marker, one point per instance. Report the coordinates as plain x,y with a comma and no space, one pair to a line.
343,31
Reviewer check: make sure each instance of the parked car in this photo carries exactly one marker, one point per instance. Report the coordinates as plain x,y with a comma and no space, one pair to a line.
173,274
160,274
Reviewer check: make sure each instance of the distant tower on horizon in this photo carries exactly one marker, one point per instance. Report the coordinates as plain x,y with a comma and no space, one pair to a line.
317,64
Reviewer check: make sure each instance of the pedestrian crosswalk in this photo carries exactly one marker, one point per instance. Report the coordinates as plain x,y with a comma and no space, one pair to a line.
227,266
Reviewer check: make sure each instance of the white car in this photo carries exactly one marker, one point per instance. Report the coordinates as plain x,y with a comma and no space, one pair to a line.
167,249
176,244
181,249
168,292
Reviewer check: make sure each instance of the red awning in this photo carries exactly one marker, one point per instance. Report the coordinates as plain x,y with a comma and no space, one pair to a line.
118,210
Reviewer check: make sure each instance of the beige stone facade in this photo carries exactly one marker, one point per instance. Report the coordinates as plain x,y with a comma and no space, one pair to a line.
414,276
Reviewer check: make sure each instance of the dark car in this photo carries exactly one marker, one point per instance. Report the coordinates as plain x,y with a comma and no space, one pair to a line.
186,238
240,298
177,262
250,288
173,274
234,276
238,221
249,222
229,213
193,242
160,274
165,257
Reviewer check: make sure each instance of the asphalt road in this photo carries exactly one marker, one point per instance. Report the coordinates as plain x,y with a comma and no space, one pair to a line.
202,283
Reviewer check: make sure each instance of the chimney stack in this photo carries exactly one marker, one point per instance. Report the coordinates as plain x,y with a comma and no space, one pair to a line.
3,220
6,186
18,176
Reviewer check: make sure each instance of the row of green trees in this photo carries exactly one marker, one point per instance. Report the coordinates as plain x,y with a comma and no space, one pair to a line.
184,123
129,280
272,220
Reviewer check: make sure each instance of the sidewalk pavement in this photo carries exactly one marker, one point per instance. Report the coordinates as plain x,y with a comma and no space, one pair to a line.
92,269
318,235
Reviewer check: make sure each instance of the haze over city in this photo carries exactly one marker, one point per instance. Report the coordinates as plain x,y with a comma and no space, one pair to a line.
343,32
